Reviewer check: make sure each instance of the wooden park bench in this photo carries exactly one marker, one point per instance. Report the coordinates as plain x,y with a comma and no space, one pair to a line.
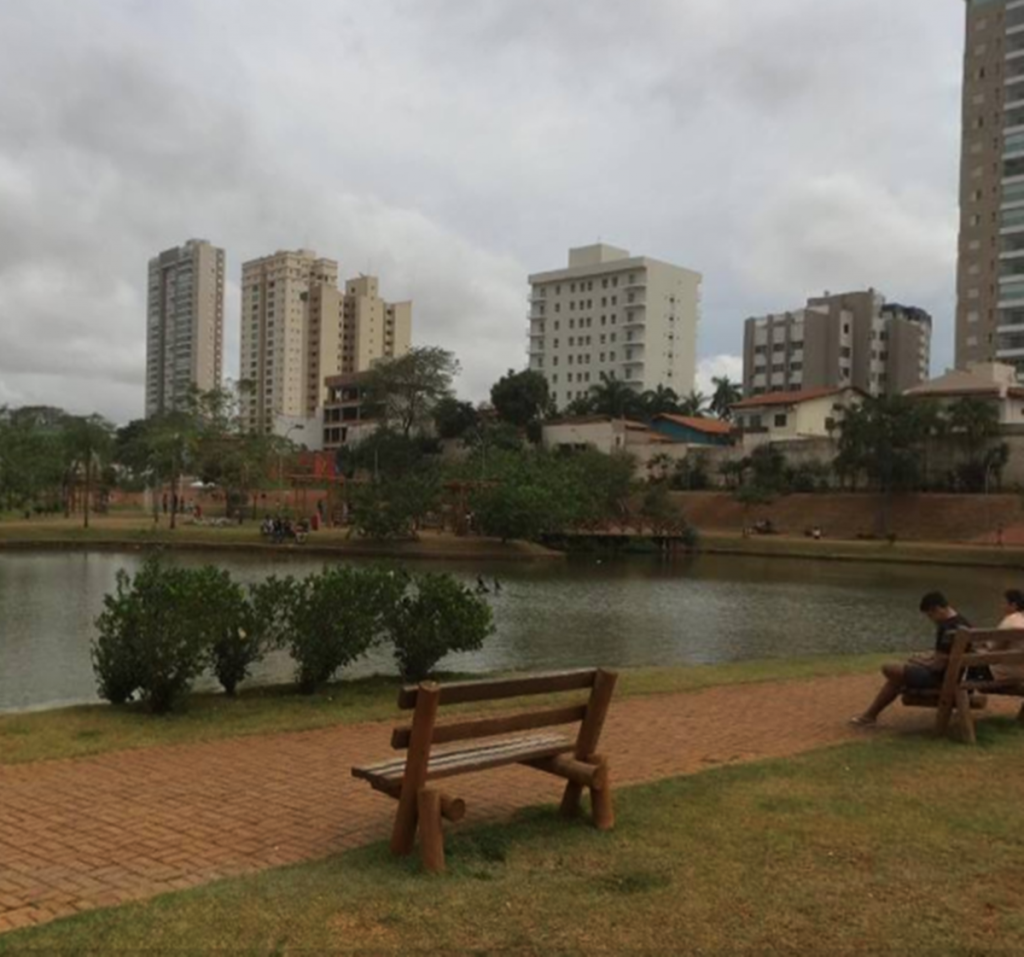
496,742
961,692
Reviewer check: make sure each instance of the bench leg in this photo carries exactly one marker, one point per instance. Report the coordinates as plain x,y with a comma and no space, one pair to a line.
943,717
403,833
570,806
431,832
963,709
601,799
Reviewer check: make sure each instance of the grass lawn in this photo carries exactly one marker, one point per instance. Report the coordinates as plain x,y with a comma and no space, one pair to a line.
93,729
902,846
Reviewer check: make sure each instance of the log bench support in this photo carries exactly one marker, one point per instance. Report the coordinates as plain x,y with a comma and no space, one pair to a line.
422,807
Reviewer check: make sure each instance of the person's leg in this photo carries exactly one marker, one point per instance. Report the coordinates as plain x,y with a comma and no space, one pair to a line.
895,680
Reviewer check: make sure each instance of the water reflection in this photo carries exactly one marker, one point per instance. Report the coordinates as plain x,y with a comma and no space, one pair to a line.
549,615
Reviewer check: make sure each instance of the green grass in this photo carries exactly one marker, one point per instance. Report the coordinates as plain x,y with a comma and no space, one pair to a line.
892,846
95,729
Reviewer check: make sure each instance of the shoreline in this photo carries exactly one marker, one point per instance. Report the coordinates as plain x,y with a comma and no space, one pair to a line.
419,551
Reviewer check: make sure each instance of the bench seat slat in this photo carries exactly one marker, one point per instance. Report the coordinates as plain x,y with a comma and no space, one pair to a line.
461,692
462,760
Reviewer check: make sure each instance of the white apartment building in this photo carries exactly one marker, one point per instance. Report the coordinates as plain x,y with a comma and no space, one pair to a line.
299,329
184,324
610,314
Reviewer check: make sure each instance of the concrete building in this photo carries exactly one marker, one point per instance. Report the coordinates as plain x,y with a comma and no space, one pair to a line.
345,420
372,328
853,339
299,329
990,277
612,314
691,430
994,383
794,416
184,324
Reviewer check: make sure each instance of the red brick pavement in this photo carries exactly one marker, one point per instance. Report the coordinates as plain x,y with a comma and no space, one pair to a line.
94,832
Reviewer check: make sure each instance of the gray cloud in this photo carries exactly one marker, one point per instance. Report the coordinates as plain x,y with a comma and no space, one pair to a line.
453,147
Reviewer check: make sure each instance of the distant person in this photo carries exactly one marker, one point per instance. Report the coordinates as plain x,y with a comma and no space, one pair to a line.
497,586
920,673
481,586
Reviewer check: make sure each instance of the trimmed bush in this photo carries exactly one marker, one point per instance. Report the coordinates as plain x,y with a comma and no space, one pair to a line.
335,617
438,617
228,627
151,637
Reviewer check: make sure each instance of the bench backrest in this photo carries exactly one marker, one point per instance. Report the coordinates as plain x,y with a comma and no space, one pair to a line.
427,697
977,647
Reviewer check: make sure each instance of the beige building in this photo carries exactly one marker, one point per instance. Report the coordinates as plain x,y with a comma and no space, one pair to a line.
299,329
184,324
372,328
990,278
992,382
850,340
612,314
794,416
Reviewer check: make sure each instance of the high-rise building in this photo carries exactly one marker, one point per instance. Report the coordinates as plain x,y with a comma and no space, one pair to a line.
299,329
990,277
371,328
616,316
184,324
853,339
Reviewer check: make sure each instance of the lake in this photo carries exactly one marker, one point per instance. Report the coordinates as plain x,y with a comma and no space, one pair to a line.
549,615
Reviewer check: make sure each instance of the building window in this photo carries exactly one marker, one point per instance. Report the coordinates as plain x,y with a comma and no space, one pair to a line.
781,421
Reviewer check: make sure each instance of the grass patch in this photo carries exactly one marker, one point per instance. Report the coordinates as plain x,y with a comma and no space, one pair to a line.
95,729
892,846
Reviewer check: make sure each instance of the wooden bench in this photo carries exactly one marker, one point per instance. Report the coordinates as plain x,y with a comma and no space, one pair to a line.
571,757
961,693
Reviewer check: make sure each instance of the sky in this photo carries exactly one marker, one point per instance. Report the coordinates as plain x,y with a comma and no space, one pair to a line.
780,147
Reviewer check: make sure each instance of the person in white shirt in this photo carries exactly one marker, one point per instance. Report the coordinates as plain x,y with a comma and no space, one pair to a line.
1013,618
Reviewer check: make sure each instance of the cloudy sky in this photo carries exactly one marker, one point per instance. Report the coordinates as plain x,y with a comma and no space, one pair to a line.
781,147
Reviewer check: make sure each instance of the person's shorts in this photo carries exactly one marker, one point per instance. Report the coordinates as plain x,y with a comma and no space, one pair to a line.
920,678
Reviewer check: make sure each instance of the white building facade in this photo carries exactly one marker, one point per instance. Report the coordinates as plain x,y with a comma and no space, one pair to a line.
610,314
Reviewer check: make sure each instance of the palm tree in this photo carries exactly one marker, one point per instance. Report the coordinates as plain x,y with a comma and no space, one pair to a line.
89,441
614,398
727,394
660,401
694,405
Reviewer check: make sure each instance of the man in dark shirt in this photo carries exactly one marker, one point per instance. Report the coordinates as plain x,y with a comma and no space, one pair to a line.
921,672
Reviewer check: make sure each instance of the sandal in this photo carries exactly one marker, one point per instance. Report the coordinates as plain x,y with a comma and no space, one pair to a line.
861,722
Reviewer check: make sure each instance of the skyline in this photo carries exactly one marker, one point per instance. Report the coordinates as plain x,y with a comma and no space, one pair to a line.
455,149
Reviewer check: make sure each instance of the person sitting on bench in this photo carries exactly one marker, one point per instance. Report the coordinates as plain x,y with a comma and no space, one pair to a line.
920,673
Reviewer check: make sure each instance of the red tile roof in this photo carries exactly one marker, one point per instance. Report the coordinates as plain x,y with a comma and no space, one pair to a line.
787,398
707,426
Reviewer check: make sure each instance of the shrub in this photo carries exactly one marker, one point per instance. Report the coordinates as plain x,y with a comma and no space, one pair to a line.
228,628
335,617
439,617
151,637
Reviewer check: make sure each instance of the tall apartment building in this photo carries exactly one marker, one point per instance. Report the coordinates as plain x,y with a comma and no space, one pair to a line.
184,324
372,328
852,339
990,277
615,315
299,329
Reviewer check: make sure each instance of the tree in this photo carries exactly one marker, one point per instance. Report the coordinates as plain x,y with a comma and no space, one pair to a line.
403,392
659,401
454,419
726,395
612,397
521,398
88,443
582,405
884,438
972,424
694,405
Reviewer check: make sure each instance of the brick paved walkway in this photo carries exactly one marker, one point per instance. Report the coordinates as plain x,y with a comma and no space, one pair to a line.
94,832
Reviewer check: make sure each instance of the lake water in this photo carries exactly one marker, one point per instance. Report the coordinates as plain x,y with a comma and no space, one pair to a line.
549,615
